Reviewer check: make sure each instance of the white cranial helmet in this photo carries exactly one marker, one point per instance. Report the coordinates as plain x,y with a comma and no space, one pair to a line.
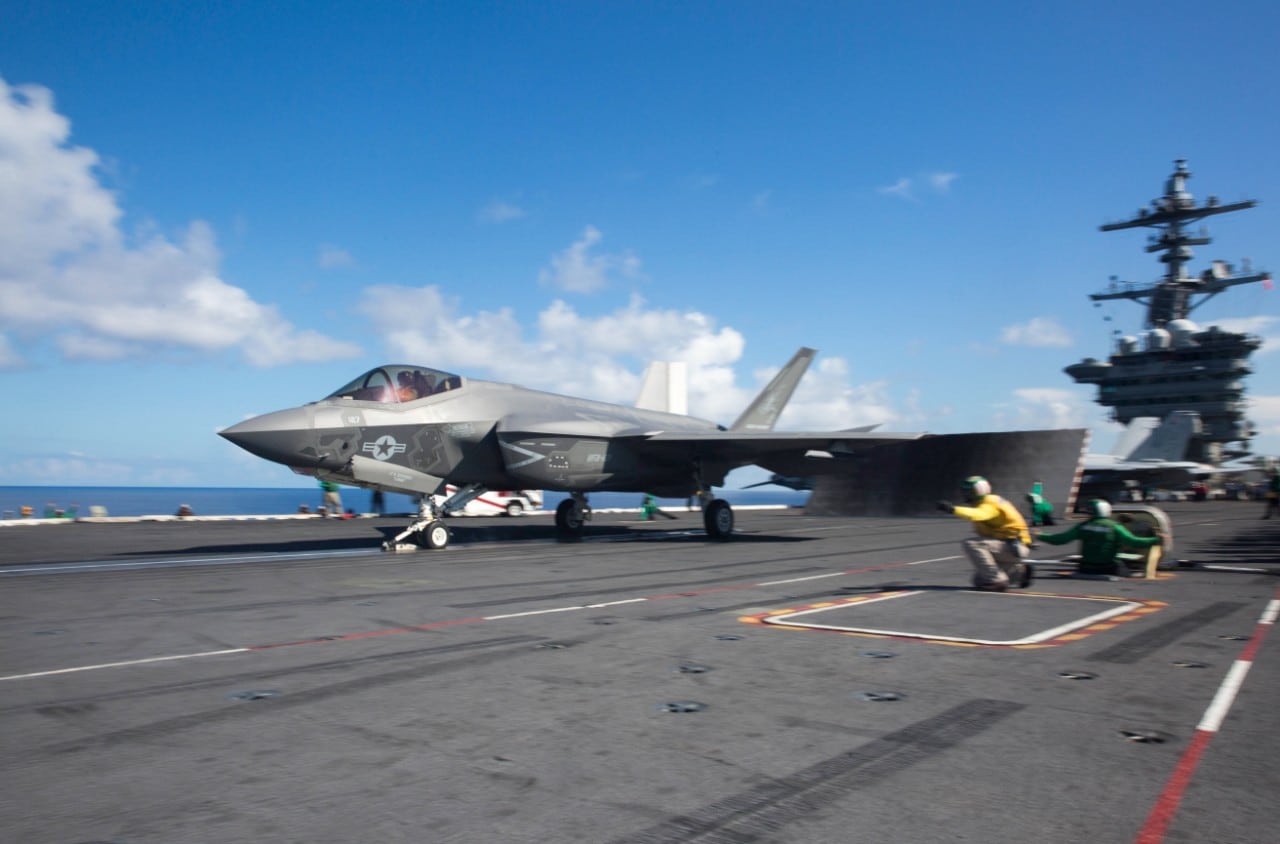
975,487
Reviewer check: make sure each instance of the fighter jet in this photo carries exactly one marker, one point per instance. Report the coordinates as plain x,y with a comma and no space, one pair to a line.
1149,453
415,429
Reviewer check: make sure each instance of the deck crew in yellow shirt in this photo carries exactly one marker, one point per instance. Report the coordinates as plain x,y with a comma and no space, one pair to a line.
999,551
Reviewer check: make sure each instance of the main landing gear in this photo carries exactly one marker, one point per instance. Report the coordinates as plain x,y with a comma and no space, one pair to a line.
572,516
717,516
574,512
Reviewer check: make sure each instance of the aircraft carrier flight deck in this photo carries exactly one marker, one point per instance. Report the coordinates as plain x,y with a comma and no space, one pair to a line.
810,680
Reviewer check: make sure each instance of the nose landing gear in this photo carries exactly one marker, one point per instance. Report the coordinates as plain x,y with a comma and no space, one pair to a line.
427,531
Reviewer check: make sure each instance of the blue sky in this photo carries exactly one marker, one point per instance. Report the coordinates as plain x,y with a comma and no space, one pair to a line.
210,211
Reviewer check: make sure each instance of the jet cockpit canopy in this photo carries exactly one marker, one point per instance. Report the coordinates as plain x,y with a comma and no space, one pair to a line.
398,383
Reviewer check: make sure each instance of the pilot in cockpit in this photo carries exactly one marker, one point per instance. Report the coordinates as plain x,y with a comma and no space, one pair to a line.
405,389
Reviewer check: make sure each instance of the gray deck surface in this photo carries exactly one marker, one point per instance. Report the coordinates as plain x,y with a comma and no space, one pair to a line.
306,687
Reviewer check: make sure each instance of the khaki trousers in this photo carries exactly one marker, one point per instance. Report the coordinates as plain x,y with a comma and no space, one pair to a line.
996,562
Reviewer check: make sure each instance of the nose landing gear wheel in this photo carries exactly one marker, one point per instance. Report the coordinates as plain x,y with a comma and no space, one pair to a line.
427,532
435,536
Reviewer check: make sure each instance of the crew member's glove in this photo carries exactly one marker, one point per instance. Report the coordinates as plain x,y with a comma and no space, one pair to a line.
946,506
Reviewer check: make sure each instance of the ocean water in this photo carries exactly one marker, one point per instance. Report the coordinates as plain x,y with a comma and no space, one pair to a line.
48,501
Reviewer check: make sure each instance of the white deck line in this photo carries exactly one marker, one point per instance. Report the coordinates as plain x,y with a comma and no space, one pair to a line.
124,664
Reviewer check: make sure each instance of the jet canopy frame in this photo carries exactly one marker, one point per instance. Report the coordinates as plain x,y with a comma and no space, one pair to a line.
397,383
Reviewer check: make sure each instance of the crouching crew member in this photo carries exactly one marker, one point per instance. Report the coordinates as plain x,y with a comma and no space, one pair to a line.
1101,539
999,551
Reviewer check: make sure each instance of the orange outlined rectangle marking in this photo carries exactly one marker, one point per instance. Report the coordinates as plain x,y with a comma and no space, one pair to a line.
1068,627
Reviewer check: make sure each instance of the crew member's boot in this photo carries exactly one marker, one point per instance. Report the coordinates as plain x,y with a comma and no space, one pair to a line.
1028,575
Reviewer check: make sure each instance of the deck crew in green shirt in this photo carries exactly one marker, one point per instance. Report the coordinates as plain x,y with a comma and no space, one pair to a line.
1101,539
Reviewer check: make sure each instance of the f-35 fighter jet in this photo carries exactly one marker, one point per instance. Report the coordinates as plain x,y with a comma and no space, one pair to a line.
414,429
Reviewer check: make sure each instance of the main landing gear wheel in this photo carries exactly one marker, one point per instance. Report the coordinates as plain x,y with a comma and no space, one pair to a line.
718,518
569,519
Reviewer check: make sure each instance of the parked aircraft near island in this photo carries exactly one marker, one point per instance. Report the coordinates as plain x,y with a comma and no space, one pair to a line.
414,430
1149,453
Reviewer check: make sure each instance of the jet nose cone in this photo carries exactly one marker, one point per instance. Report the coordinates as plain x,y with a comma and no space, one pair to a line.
286,436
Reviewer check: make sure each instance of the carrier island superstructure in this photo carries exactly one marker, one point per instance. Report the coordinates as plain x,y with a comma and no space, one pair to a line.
1175,365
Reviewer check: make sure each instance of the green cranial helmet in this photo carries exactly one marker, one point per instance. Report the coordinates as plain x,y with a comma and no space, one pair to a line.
1100,509
975,487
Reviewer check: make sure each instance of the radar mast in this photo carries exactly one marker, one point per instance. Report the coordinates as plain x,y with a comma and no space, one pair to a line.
1179,366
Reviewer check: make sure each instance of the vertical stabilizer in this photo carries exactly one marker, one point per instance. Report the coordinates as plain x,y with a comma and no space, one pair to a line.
1170,440
1134,436
665,388
763,413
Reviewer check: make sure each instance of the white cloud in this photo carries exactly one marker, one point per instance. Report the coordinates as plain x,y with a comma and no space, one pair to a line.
578,271
78,346
1249,325
9,359
1264,413
500,212
910,187
76,469
1036,408
67,271
1264,326
760,202
826,400
941,182
68,470
900,188
1042,332
603,357
595,357
50,200
333,257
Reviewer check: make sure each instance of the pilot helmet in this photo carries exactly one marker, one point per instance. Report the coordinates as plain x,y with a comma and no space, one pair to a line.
975,487
1100,508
